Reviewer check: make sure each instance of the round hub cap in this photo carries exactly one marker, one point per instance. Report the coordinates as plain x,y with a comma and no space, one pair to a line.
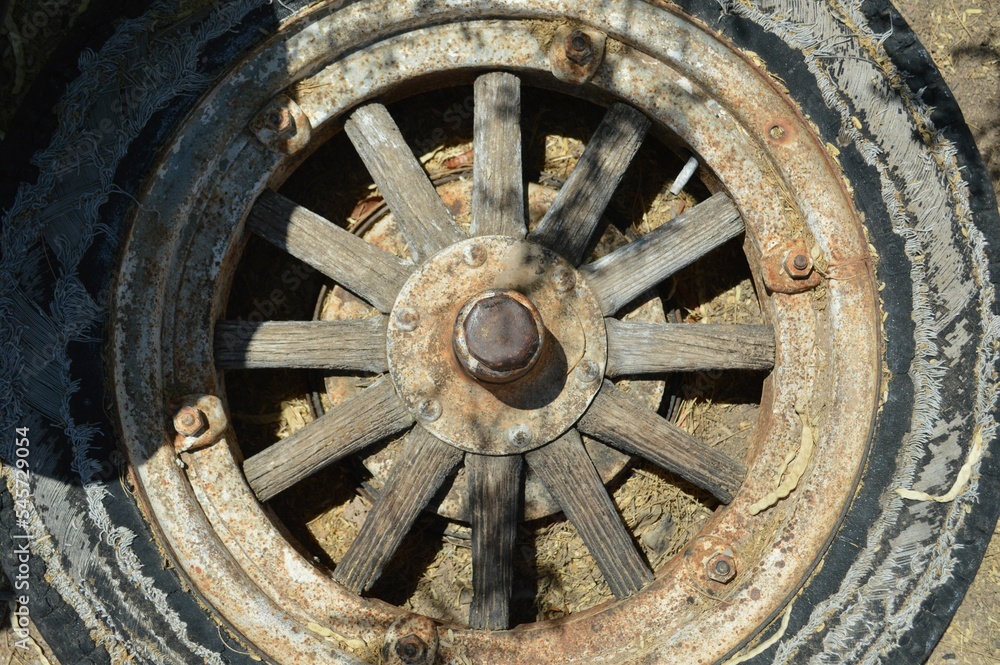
499,355
498,336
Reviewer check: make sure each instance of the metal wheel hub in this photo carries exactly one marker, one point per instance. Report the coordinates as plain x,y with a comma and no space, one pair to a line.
535,403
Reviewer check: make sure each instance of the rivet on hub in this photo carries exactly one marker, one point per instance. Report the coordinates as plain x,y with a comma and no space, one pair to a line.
519,435
588,370
498,336
429,410
407,319
474,255
564,279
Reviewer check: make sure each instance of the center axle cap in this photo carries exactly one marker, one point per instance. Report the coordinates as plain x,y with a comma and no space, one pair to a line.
498,336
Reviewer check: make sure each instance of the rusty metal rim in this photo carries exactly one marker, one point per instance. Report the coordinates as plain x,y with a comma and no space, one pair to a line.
645,625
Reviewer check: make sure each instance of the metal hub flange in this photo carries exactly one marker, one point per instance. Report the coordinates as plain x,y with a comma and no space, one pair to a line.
544,393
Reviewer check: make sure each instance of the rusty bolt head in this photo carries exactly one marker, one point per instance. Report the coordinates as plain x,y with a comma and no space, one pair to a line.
281,121
429,410
190,421
798,265
498,336
564,279
579,47
411,649
721,568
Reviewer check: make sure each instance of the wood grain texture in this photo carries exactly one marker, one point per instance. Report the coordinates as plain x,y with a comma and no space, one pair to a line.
569,474
618,421
570,222
498,179
354,344
358,266
418,472
648,348
495,496
402,181
347,428
620,276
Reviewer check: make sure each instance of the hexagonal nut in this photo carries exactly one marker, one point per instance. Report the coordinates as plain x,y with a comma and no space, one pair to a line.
576,53
282,126
411,649
190,421
720,568
798,264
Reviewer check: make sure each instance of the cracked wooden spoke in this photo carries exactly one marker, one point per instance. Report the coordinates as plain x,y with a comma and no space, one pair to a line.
418,472
495,495
353,344
402,181
568,225
620,276
498,181
347,428
650,348
358,266
618,421
568,473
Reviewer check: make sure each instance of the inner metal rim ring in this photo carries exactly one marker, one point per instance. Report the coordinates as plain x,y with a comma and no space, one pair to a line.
143,456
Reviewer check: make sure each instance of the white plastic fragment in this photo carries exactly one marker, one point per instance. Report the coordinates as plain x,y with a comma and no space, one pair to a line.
684,176
964,474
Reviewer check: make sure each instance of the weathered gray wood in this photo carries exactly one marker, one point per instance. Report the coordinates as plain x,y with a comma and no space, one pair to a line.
498,181
618,421
402,181
567,471
573,217
353,344
415,476
495,494
649,348
360,267
620,276
347,428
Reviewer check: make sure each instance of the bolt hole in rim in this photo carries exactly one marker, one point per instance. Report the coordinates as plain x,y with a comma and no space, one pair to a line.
823,386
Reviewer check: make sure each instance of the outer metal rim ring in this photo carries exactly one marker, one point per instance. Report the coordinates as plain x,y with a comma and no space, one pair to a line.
232,571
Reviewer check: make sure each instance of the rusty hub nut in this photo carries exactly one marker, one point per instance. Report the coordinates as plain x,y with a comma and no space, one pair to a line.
579,47
721,568
498,336
798,265
190,421
411,649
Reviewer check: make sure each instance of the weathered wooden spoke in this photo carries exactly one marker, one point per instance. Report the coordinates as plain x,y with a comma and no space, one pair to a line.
347,428
650,348
620,276
416,475
498,181
570,222
495,493
568,473
618,421
353,344
402,181
358,266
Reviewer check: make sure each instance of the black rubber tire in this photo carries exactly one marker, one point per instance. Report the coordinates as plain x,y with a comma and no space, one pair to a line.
100,588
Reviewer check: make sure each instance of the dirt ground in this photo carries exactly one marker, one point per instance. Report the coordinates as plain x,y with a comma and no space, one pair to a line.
963,37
